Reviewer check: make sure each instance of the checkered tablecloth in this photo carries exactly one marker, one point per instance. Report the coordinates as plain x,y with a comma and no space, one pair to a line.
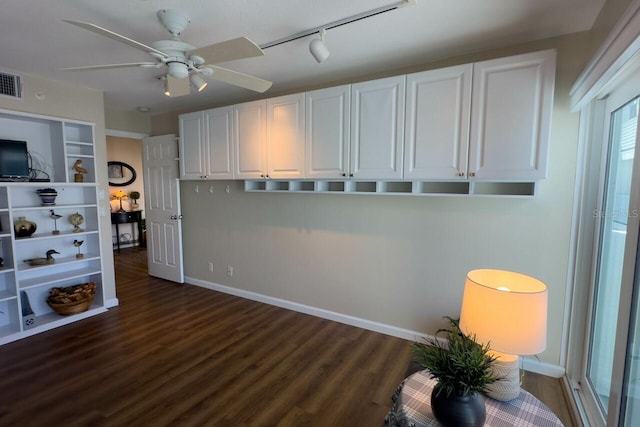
412,407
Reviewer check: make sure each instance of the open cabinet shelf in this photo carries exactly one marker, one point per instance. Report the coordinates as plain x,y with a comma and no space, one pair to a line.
55,145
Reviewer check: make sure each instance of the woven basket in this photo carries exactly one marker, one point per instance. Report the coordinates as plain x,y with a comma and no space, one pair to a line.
72,307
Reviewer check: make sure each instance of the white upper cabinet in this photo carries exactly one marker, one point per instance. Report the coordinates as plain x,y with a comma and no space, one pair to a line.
327,132
206,144
510,125
377,128
192,146
218,124
250,143
486,121
437,123
285,136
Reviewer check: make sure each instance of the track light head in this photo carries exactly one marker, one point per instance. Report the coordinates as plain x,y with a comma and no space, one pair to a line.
198,82
318,48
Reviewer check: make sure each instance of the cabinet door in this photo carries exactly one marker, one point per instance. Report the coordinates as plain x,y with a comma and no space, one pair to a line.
219,153
437,123
249,135
510,124
285,136
377,128
327,128
192,146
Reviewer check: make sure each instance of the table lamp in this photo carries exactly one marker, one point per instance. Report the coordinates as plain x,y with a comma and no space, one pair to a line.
120,195
508,311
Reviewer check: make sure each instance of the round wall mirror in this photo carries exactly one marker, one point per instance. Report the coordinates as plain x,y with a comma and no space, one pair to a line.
121,174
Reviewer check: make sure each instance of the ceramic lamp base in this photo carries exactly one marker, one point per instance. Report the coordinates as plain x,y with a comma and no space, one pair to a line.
506,367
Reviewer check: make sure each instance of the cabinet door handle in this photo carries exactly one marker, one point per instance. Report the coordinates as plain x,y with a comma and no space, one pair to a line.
472,174
261,175
175,217
351,175
460,173
344,174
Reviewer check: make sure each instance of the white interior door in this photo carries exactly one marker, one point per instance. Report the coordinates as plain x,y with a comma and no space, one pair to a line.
162,206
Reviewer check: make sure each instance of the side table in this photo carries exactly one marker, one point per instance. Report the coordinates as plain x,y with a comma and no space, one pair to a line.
412,407
127,217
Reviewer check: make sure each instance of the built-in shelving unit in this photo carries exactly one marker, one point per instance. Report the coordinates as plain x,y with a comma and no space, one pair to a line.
55,145
413,188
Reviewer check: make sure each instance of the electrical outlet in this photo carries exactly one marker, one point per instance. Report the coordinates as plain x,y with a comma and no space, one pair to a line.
229,270
210,267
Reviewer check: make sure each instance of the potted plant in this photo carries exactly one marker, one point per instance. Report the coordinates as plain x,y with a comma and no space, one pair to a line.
134,195
461,366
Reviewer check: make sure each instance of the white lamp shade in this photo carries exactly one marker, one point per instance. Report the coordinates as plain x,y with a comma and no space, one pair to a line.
505,309
318,50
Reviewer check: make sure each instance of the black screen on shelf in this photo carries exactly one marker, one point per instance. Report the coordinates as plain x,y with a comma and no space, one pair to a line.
14,160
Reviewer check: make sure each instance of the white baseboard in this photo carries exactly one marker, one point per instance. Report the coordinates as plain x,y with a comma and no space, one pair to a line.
532,364
114,302
529,364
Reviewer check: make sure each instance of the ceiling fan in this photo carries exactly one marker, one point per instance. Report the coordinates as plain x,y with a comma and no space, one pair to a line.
183,63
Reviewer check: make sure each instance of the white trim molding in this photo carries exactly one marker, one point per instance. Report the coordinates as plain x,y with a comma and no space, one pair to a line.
110,303
616,54
529,364
125,134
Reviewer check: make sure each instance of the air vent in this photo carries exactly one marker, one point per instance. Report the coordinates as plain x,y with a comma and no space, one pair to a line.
10,85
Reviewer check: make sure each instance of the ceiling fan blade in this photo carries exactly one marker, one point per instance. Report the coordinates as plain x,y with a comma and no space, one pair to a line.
115,36
238,79
108,66
229,50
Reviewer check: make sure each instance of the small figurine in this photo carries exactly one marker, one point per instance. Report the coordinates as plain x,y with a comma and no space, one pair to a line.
76,219
43,261
80,171
55,217
77,244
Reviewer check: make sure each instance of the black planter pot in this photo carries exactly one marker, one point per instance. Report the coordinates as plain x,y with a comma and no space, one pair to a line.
458,411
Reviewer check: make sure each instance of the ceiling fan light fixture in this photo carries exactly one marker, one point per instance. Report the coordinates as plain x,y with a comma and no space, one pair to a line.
198,82
178,70
165,84
318,49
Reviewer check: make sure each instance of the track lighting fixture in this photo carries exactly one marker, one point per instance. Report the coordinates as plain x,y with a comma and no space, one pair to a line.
197,81
317,46
318,49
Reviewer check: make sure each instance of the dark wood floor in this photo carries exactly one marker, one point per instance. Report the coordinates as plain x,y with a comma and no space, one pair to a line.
184,355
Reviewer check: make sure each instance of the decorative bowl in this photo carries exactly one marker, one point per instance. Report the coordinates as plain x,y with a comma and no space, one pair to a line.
72,299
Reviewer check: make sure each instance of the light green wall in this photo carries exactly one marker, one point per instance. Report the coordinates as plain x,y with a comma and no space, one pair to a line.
128,121
66,100
606,20
396,260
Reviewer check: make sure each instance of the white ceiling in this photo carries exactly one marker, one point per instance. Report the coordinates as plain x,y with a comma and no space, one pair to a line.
35,41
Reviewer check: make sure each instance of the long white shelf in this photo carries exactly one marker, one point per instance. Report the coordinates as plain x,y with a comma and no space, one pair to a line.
409,188
43,236
58,261
57,206
58,277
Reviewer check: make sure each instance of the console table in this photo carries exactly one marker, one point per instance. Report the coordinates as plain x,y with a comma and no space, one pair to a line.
412,407
127,218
